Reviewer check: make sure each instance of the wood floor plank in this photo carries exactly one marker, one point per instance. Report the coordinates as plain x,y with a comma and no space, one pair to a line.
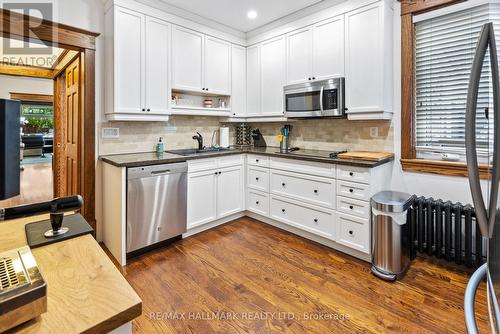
253,271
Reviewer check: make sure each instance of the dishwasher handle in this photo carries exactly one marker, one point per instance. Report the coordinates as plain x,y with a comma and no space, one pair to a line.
156,170
164,171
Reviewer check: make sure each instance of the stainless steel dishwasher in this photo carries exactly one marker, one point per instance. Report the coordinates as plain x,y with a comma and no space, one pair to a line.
156,204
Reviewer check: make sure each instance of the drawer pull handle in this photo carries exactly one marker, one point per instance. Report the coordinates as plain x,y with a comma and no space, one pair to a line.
351,232
315,191
257,160
283,184
351,190
256,179
283,210
257,202
315,220
351,207
351,174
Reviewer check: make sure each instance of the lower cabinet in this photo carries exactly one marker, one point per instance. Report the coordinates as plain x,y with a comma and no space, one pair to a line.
353,232
214,193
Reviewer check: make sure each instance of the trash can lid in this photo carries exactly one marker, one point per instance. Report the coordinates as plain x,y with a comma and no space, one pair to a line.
391,201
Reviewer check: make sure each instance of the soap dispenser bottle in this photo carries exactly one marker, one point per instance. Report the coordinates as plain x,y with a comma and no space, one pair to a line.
159,146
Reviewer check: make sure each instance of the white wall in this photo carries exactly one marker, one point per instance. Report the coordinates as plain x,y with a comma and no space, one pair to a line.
451,188
24,85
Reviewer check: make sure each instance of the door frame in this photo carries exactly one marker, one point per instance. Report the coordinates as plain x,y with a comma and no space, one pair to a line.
24,27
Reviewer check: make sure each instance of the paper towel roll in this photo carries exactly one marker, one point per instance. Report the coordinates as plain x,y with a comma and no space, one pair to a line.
224,136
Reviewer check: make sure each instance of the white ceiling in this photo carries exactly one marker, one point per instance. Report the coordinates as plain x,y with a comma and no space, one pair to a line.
233,13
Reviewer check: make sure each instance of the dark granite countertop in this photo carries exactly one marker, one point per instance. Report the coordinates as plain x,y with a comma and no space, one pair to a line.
152,158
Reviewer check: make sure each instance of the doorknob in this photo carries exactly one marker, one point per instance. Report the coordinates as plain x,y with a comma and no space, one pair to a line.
58,144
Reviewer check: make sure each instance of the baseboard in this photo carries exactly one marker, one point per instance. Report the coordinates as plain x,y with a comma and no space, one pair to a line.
208,226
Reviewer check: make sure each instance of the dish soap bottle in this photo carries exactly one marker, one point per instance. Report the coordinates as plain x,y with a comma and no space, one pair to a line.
159,146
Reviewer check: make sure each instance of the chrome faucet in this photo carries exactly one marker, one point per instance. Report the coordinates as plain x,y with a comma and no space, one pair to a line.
199,138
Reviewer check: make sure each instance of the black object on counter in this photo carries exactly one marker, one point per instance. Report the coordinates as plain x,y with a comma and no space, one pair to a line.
258,139
57,205
10,148
76,225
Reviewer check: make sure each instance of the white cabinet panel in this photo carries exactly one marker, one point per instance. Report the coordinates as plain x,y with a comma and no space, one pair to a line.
354,190
238,81
328,48
258,202
273,59
187,59
230,191
258,178
299,56
353,174
202,187
353,232
353,207
129,61
253,81
157,66
217,66
258,160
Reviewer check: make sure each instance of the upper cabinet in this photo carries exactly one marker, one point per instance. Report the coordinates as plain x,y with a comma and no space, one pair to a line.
368,64
238,81
316,52
200,63
266,74
137,64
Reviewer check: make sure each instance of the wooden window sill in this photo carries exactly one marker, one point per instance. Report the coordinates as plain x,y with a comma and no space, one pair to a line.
441,167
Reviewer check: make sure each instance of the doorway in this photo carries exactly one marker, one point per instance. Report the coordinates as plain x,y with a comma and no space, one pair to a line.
73,103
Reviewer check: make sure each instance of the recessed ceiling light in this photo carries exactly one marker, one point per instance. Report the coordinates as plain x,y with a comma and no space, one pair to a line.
252,14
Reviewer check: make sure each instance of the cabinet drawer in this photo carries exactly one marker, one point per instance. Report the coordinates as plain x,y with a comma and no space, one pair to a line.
230,161
354,190
258,202
353,207
257,160
258,178
301,166
202,164
317,221
353,232
356,174
312,189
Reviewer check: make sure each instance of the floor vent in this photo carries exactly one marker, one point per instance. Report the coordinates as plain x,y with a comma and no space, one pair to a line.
445,230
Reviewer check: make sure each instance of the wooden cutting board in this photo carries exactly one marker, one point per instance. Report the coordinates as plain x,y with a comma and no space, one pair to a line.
366,155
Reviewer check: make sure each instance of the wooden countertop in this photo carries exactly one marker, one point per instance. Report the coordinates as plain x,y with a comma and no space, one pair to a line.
85,291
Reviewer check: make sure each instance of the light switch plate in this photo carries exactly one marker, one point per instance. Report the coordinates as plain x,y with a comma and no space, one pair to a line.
374,132
110,133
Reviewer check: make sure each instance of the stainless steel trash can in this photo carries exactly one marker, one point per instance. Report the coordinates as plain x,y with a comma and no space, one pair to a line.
390,240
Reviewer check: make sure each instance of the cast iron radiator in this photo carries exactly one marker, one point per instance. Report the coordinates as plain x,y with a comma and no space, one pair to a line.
445,230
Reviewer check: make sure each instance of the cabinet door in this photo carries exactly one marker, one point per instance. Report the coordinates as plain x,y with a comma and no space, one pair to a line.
273,61
253,81
238,81
157,71
328,48
230,191
299,56
217,66
201,205
187,59
129,61
364,74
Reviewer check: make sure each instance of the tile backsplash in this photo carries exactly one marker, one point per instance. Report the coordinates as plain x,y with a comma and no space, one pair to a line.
322,134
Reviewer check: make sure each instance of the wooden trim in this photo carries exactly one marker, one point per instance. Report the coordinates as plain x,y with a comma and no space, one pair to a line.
60,58
28,98
16,25
26,71
70,57
421,6
441,167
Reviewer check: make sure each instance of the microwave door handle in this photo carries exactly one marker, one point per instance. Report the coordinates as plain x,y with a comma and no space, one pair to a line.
470,134
321,99
495,173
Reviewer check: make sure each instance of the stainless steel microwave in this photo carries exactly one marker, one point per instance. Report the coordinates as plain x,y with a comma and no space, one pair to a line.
323,98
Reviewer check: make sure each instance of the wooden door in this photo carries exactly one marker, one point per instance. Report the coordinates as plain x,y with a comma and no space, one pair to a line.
68,135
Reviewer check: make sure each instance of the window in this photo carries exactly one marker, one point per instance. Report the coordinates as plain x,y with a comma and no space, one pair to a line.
444,51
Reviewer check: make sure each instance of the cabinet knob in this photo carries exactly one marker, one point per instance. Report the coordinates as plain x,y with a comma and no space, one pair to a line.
315,191
351,190
315,220
149,109
216,173
283,184
351,174
220,173
256,179
283,210
257,160
351,207
351,232
257,202
143,109
308,78
314,78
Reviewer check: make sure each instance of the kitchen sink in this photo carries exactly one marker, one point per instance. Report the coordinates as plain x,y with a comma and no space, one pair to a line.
194,151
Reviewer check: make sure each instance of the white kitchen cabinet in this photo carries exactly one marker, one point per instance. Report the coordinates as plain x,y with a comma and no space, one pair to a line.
200,63
273,76
299,55
253,81
368,62
230,183
187,59
137,64
202,194
238,81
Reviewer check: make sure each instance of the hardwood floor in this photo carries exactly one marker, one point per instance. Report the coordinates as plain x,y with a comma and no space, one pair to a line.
264,280
36,185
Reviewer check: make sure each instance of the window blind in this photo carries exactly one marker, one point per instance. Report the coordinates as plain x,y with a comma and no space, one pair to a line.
444,51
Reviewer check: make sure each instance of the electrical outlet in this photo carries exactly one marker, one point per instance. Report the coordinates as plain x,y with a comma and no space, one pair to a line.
374,132
110,133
